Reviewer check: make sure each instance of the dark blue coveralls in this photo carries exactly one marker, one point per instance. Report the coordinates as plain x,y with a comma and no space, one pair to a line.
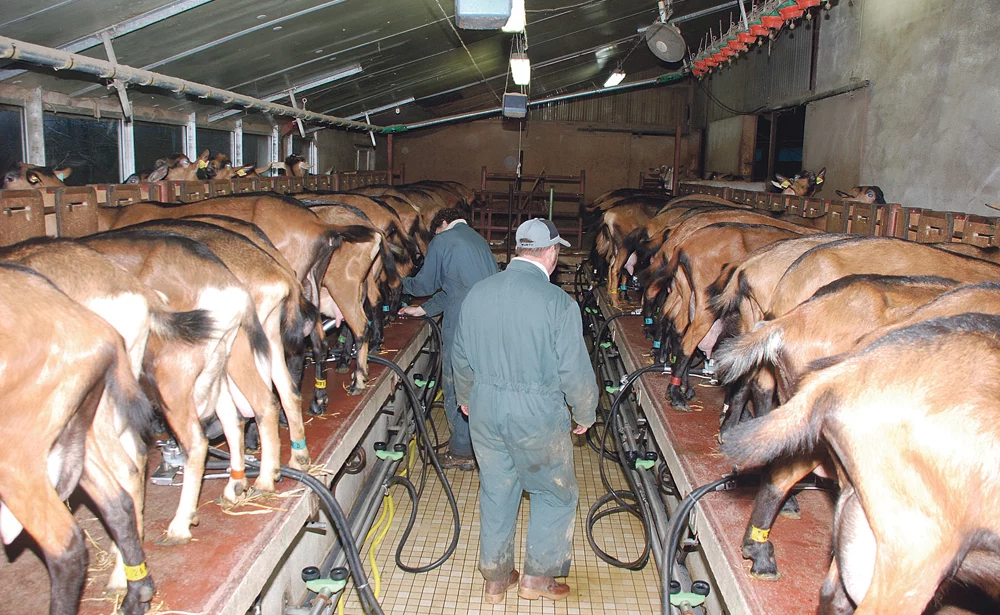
456,259
519,360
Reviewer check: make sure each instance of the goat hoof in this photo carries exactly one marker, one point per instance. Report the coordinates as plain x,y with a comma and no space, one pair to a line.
790,509
678,401
343,369
355,390
315,409
763,564
173,541
262,485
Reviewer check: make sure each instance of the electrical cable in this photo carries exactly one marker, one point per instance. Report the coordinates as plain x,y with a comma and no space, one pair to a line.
724,105
455,30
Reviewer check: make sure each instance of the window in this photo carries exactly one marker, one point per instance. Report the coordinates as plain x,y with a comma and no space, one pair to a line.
256,149
11,141
215,141
88,145
365,158
155,141
300,146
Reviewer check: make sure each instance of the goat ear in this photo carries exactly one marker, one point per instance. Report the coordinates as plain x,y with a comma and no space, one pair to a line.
843,195
204,155
33,178
10,176
158,173
778,185
821,175
263,170
63,173
305,166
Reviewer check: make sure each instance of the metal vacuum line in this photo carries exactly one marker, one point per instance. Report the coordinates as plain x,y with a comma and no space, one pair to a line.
63,60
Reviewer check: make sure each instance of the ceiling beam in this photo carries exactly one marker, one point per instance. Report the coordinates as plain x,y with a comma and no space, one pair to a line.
226,39
121,28
299,87
61,60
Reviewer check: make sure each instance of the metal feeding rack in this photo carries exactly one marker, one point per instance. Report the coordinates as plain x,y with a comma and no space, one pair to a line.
505,200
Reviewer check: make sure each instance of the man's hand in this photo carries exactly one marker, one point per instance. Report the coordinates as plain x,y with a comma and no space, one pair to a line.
464,409
579,430
412,310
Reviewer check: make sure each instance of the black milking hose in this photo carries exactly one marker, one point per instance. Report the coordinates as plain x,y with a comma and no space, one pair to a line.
343,528
594,515
418,417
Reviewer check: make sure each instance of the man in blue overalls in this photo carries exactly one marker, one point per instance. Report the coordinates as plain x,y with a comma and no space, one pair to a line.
523,375
457,258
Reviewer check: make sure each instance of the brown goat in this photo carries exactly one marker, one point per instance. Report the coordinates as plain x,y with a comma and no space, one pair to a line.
21,176
135,312
281,310
991,254
615,225
916,452
879,255
701,259
191,379
804,183
305,241
60,360
829,323
863,194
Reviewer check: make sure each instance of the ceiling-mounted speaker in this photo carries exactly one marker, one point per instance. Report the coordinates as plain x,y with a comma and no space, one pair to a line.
515,105
666,42
482,14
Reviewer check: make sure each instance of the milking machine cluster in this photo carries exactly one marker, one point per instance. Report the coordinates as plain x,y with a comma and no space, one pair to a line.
649,490
326,583
625,438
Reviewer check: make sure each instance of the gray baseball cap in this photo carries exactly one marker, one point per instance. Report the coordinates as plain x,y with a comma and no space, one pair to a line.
538,233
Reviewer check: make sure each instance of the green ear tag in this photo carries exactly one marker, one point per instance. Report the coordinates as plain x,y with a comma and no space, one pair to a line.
393,455
318,585
644,464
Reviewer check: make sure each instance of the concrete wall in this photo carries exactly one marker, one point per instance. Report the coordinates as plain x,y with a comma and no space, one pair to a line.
835,139
932,132
729,145
338,149
611,159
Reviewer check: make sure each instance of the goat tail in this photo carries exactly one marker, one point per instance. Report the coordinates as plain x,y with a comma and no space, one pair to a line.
789,430
255,333
604,243
132,407
352,233
189,327
736,356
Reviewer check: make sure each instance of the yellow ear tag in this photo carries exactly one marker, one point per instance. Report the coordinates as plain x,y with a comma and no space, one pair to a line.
785,184
819,180
202,164
241,173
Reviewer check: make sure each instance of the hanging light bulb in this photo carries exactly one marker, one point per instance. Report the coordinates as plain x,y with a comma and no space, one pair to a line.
616,77
520,68
516,22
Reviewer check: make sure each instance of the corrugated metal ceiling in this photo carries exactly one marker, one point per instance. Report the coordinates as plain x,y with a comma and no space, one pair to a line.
406,48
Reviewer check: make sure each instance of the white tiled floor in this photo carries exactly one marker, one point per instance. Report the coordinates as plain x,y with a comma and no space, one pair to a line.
457,587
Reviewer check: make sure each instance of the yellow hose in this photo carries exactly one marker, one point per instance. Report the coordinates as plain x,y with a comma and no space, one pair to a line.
375,543
413,457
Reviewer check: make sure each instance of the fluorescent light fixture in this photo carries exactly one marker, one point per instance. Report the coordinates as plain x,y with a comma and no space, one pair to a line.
516,22
398,103
302,87
520,68
616,77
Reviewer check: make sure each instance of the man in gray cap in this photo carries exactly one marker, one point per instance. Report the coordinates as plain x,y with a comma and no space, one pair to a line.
519,360
457,258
